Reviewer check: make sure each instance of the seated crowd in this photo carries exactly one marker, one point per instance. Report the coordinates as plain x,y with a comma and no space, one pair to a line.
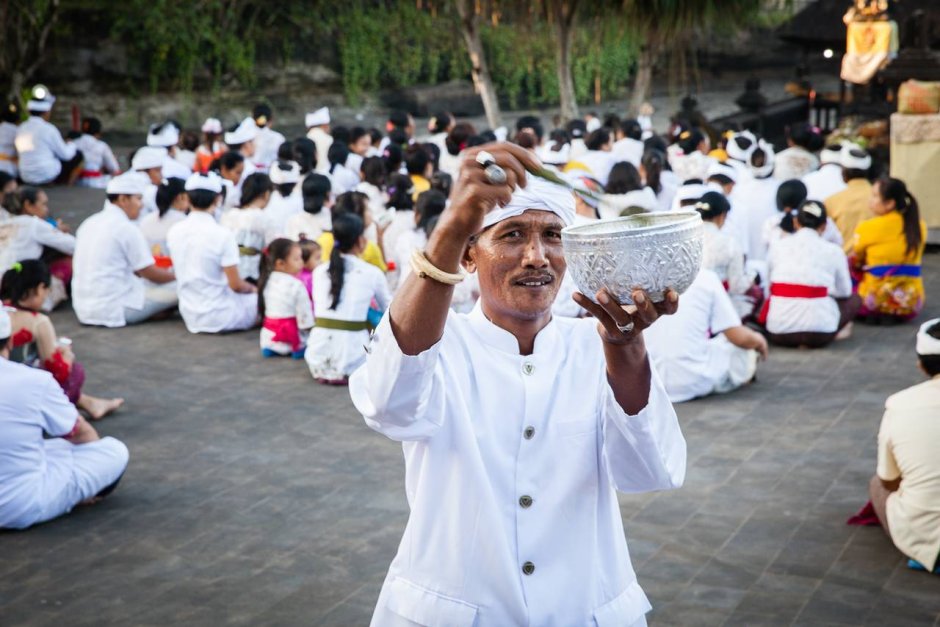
309,238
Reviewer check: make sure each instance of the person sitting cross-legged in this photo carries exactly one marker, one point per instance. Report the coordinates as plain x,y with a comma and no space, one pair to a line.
41,479
905,491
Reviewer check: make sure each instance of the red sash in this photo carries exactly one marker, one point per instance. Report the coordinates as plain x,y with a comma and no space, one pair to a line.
91,174
285,331
790,290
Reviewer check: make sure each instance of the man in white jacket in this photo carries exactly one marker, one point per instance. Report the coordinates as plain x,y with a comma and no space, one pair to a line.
518,427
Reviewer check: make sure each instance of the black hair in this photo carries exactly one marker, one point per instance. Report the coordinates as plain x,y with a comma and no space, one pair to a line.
653,162
398,118
279,249
434,154
576,128
611,121
201,198
255,185
393,156
711,205
227,161
558,138
623,178
262,114
758,159
690,140
167,191
632,129
308,248
356,133
91,126
16,202
721,179
285,152
430,225
19,281
347,229
526,139
189,141
655,142
805,216
373,171
442,182
531,122
337,154
5,177
305,154
284,189
398,136
476,140
416,159
790,195
806,136
400,192
931,363
315,190
442,120
489,136
10,113
340,134
905,204
742,142
597,139
430,204
351,202
376,136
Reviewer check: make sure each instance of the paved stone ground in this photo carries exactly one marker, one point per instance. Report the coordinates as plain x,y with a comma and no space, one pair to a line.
255,496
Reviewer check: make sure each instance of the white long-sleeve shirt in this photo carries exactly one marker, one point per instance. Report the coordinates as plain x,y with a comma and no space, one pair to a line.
41,151
33,233
8,148
512,467
99,159
805,258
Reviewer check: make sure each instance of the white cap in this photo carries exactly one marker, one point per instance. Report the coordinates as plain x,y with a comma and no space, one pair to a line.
722,169
593,124
854,158
128,183
831,154
926,345
768,168
6,325
692,191
284,172
318,118
736,149
210,182
41,99
553,157
212,125
165,135
246,131
148,157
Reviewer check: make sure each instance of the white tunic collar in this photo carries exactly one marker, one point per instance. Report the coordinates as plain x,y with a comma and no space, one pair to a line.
503,340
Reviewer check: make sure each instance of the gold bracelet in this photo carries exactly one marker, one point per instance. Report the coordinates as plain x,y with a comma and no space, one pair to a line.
427,270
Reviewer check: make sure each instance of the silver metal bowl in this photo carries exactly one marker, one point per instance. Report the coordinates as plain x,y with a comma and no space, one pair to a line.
651,251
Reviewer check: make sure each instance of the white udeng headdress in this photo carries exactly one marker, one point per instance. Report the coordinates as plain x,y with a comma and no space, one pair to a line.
538,194
926,344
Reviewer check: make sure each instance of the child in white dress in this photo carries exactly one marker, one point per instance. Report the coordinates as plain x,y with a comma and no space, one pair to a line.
249,223
344,289
99,162
172,207
283,303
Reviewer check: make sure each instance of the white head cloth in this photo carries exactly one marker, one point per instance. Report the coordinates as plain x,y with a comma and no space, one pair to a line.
831,154
538,194
767,169
212,125
148,157
553,157
723,169
6,325
854,157
593,124
164,135
501,133
41,100
735,149
246,131
926,345
318,118
128,183
692,191
210,182
283,172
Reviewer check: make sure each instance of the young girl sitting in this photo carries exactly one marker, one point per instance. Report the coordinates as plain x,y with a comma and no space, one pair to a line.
99,162
811,296
344,290
172,207
283,303
310,251
34,340
790,195
249,223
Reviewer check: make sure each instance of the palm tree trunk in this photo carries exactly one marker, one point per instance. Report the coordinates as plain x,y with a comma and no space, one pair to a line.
564,19
479,70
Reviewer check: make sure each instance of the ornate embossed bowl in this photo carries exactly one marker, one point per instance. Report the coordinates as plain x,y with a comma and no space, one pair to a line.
652,251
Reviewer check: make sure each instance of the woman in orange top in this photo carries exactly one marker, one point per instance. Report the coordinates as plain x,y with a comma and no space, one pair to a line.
887,252
211,147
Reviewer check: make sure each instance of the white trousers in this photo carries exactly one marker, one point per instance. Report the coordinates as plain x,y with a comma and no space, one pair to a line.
157,298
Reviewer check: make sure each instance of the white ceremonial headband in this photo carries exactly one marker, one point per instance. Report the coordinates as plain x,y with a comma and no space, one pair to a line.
538,194
927,345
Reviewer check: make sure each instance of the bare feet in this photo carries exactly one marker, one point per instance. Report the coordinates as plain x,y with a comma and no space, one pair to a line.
845,333
98,408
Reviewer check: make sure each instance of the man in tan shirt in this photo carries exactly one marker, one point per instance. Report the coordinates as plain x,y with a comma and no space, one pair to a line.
852,205
905,492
